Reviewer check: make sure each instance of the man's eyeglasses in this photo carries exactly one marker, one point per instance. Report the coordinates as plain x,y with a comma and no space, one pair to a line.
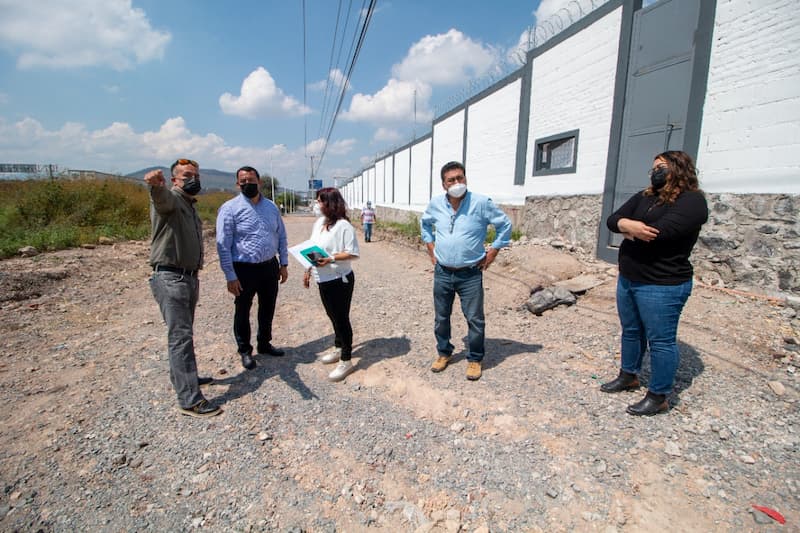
452,222
186,162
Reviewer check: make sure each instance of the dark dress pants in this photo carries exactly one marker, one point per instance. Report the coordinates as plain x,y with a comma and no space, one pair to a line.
336,297
256,279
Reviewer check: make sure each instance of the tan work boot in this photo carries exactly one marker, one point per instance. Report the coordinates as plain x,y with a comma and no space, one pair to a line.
441,363
474,370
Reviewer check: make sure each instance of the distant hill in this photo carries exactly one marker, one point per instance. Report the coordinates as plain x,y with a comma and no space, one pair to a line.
210,178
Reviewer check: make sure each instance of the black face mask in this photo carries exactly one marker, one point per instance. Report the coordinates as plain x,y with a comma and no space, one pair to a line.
249,189
658,178
191,186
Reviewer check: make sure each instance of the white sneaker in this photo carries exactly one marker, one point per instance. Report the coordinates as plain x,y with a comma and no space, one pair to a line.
331,356
341,371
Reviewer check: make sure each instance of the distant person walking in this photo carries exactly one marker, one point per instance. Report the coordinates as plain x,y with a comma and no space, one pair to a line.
176,255
454,228
251,244
333,233
660,225
368,218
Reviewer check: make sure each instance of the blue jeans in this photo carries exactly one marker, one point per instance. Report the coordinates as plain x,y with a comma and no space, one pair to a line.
649,316
177,296
468,284
367,231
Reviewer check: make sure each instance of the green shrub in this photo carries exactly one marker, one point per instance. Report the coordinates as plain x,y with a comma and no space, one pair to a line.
409,229
58,213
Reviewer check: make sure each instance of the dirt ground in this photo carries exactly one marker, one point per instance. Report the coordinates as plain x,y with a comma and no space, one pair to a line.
91,440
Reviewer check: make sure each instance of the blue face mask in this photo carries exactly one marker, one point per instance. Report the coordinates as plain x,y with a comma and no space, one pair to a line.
191,186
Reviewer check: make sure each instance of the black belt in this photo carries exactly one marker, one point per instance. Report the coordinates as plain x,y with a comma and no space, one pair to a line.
177,270
456,269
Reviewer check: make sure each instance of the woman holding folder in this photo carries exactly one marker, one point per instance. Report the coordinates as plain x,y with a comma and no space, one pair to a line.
333,273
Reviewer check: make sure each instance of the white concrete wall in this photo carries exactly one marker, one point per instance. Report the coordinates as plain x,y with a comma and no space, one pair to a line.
361,189
371,194
421,173
380,181
401,177
492,126
390,179
448,143
750,137
573,89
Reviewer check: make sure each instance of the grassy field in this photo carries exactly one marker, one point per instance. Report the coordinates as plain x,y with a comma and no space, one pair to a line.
58,213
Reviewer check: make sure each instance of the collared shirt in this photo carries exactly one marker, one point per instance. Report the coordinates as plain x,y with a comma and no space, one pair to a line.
368,215
249,233
339,238
177,232
459,235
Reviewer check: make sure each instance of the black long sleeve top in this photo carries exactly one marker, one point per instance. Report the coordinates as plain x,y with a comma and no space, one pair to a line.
665,259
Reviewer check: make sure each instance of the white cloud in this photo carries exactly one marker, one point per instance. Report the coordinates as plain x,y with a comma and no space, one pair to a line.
335,79
395,102
260,96
548,8
449,58
80,33
435,60
118,148
386,135
343,147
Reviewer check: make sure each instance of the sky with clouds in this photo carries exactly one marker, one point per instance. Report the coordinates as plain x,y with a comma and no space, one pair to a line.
119,85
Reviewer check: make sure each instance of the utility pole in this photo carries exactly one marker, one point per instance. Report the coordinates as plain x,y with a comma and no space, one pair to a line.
311,182
415,114
271,178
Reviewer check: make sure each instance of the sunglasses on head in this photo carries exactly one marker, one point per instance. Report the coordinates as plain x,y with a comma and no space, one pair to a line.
186,162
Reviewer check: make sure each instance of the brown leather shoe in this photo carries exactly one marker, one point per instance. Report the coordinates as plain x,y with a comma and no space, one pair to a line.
624,381
441,363
474,370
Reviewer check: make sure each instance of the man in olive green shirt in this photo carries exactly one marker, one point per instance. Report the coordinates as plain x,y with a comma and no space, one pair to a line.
176,255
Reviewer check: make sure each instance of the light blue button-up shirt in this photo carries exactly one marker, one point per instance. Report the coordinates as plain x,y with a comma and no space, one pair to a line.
249,233
459,235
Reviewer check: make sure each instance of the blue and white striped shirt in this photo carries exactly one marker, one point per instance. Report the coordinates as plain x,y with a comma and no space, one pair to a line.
459,235
248,233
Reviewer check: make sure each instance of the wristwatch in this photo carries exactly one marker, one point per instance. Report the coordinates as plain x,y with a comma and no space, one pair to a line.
333,259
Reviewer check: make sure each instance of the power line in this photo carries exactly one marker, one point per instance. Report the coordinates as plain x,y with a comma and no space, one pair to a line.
330,60
305,116
361,37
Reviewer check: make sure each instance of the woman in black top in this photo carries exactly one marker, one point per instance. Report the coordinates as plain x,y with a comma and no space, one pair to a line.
660,225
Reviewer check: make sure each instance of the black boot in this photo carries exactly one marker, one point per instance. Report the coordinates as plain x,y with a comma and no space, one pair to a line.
652,404
625,381
247,361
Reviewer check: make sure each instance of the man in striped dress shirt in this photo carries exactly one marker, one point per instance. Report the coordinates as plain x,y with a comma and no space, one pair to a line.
251,244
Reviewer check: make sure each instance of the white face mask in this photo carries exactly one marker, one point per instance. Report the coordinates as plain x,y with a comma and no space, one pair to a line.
458,190
317,210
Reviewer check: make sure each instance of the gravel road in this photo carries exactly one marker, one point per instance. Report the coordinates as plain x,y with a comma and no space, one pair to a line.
92,440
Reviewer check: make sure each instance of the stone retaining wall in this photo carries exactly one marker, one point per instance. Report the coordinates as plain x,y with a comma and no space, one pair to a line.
751,241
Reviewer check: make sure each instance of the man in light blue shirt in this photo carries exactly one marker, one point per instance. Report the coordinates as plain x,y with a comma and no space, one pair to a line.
251,244
454,228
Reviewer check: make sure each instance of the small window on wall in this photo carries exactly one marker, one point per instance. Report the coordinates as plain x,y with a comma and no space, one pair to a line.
556,154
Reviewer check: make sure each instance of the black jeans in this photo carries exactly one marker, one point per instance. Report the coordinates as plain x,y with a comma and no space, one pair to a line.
260,279
336,297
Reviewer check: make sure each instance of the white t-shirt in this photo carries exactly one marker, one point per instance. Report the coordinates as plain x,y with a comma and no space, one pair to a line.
340,238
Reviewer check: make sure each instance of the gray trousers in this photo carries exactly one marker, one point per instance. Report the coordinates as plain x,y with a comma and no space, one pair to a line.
177,296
